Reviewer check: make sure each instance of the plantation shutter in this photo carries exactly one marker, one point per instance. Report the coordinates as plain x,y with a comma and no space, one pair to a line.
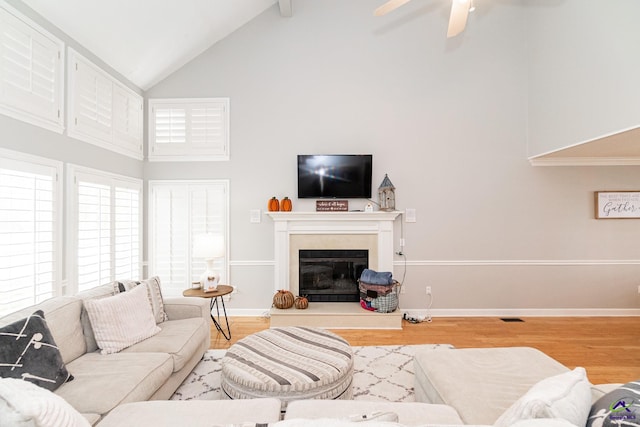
189,129
92,103
103,111
108,228
31,72
94,234
29,263
127,232
180,211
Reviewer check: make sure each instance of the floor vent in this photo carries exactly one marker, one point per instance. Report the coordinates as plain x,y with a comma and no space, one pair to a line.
511,319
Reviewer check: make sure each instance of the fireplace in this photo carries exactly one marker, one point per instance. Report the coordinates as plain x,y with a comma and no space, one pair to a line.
331,275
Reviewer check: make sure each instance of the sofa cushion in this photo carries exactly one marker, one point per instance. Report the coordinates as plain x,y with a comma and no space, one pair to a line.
121,320
103,382
63,319
481,383
621,405
29,352
180,338
25,404
194,413
154,293
102,291
409,413
566,396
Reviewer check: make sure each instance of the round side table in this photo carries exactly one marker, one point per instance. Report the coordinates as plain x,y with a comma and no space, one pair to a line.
220,292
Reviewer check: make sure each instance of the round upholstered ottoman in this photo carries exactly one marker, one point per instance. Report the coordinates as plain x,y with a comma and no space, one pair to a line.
289,363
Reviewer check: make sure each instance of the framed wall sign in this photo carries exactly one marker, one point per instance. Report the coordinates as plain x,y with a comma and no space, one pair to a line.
332,205
617,204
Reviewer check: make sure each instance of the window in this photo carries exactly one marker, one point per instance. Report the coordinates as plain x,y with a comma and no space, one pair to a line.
179,211
106,218
189,129
31,71
30,244
102,111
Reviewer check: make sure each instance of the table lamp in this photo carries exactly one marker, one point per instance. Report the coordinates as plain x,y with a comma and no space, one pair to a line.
209,246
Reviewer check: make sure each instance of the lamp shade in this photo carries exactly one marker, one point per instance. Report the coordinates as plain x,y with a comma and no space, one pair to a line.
208,246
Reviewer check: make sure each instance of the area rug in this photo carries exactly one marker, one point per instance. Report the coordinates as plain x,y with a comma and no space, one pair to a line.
382,373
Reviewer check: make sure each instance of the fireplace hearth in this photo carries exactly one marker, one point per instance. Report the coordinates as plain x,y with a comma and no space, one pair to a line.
328,275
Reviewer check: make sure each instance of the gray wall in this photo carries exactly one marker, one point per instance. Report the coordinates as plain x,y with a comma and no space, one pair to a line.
582,71
448,121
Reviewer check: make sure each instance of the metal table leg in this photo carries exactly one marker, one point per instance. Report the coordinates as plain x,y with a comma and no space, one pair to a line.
216,318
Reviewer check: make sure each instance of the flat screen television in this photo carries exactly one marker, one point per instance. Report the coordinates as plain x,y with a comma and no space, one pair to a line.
346,176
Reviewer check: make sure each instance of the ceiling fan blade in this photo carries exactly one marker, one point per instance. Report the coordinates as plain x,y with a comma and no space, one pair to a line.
389,6
458,19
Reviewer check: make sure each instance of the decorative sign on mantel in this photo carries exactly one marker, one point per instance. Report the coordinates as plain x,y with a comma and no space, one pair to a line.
617,204
332,205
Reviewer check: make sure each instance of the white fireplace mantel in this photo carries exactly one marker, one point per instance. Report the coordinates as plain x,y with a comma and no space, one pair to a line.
288,224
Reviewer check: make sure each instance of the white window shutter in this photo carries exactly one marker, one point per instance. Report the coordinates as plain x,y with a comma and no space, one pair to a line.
102,111
106,218
31,72
92,103
179,212
29,236
94,234
189,129
127,119
127,232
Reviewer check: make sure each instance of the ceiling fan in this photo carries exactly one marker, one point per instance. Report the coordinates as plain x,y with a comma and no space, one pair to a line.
457,21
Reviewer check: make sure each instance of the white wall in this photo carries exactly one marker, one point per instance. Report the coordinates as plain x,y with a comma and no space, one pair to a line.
447,120
583,71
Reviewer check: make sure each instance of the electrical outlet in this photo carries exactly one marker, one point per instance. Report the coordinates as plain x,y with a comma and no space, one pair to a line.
428,290
638,289
402,242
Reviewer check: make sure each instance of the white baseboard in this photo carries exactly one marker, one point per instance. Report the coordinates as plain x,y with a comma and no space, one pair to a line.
487,312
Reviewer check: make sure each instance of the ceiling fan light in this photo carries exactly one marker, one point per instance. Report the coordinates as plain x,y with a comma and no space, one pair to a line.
472,6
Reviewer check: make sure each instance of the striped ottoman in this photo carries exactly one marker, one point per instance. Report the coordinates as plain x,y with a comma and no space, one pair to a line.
289,363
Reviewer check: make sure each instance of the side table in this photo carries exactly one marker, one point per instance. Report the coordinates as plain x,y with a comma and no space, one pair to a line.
221,291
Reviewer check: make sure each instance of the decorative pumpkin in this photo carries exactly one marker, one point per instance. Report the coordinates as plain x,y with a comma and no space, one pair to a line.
301,303
273,205
283,299
286,205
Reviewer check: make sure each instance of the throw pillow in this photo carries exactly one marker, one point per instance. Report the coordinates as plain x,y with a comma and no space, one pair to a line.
121,320
618,407
154,292
25,404
28,351
566,396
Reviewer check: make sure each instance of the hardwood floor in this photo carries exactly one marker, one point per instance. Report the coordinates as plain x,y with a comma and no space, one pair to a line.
608,347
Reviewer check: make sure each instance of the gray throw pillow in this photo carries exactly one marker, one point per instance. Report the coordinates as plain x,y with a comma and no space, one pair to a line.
29,352
618,407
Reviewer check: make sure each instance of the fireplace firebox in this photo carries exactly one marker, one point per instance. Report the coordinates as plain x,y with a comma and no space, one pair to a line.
328,275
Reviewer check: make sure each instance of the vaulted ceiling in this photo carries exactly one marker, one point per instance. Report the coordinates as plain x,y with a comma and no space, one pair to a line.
146,40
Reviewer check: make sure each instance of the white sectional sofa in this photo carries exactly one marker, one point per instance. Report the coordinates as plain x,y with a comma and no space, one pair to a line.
149,370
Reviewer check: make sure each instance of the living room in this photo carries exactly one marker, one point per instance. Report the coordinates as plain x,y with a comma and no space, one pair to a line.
470,130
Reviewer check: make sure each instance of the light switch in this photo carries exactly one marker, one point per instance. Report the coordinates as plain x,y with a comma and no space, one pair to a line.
410,215
255,216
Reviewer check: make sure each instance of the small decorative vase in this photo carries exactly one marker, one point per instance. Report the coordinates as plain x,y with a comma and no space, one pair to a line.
273,205
286,205
301,303
283,299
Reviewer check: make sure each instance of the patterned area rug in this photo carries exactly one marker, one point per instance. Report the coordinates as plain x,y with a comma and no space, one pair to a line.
380,373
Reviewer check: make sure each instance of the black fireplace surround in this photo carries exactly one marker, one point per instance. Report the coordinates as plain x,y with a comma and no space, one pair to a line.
331,275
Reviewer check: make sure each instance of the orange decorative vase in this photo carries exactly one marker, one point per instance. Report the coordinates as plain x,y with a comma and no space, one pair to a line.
273,205
286,205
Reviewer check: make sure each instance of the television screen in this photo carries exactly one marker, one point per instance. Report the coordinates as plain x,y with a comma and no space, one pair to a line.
334,176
